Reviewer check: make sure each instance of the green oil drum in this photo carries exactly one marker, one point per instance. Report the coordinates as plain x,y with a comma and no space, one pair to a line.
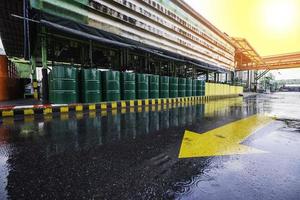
189,87
111,85
90,85
142,86
173,87
128,86
164,83
198,88
182,87
153,86
194,88
63,85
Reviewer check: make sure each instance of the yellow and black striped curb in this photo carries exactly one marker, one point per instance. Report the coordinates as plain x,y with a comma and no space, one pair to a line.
21,111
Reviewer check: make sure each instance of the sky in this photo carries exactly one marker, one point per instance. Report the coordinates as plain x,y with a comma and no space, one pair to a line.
271,26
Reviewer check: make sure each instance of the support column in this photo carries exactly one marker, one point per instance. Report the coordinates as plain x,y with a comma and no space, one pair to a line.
215,77
45,67
207,76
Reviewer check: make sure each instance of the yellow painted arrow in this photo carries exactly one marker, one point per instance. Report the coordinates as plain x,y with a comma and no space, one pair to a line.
224,140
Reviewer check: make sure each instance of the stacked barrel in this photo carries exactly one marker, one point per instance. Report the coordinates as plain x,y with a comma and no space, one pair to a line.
71,85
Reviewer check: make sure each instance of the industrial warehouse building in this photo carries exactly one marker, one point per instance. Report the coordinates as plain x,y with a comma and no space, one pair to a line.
157,37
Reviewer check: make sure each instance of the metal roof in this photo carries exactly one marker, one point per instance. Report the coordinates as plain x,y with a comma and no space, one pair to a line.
245,53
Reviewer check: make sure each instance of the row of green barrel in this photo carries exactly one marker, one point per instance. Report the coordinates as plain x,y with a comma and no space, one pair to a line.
73,85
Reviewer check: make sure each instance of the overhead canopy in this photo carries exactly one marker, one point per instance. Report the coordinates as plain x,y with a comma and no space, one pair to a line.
81,30
245,54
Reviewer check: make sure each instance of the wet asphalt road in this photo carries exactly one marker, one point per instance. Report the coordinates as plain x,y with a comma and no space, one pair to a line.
134,155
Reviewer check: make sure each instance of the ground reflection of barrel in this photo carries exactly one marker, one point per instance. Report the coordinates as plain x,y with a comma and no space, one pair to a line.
174,115
90,132
111,128
182,116
142,123
154,121
128,125
164,119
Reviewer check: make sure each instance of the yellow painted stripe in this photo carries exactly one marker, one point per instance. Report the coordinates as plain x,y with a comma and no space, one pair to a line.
114,105
103,106
79,108
153,101
8,113
139,102
28,112
165,101
123,104
123,110
64,109
170,100
159,101
131,103
92,107
131,110
146,102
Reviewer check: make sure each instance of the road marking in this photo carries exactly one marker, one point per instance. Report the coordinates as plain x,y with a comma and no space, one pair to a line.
224,140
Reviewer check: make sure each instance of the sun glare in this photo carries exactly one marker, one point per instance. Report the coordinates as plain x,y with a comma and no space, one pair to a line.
280,15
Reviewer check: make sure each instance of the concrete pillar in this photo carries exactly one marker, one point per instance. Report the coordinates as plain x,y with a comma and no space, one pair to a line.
45,67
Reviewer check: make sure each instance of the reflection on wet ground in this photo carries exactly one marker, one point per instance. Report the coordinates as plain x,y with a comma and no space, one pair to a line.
134,155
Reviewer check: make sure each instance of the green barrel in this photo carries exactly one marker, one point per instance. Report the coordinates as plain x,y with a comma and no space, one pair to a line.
153,86
182,87
90,85
63,85
142,86
111,85
194,88
198,88
128,86
189,87
164,83
173,87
